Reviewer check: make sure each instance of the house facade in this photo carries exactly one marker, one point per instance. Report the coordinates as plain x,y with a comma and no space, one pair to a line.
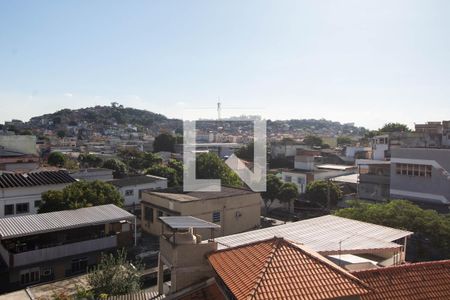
20,194
52,246
234,209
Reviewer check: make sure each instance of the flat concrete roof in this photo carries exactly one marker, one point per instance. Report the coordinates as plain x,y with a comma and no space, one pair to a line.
196,196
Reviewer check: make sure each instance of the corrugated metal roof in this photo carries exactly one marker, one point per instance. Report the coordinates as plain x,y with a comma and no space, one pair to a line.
8,180
327,234
60,220
186,222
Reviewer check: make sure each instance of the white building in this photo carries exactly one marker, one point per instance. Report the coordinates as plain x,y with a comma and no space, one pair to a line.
20,194
131,188
380,146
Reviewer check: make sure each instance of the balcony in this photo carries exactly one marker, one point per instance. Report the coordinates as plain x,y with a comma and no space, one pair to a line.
45,254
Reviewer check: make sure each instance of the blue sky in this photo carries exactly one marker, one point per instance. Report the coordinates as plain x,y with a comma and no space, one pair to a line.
368,62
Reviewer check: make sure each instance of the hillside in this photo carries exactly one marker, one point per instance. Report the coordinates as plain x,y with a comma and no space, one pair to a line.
104,116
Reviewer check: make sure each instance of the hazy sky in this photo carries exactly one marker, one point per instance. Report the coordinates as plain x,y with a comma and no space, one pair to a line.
367,62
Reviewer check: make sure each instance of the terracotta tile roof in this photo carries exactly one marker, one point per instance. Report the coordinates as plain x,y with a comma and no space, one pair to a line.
278,269
427,280
210,292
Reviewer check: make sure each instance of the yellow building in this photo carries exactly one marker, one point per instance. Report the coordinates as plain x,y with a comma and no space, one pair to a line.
234,209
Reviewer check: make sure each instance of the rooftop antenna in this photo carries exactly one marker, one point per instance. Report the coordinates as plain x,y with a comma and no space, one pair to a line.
219,109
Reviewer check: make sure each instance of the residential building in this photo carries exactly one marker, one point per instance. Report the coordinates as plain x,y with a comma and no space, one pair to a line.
380,147
91,174
333,237
285,149
234,209
51,246
276,268
421,175
183,253
302,177
374,179
131,189
20,193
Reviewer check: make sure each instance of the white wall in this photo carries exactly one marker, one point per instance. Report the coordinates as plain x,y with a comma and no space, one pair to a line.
298,179
24,195
134,198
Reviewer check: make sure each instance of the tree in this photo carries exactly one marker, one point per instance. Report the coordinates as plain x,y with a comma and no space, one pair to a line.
431,230
312,140
144,160
166,172
317,191
344,140
210,166
115,275
273,187
118,167
61,134
52,201
87,160
56,159
178,167
394,127
80,194
71,164
288,193
246,152
164,142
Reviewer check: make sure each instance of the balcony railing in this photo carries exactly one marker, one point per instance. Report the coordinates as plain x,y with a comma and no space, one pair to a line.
40,255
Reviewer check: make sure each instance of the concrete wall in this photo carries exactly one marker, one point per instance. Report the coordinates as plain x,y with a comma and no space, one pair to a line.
20,143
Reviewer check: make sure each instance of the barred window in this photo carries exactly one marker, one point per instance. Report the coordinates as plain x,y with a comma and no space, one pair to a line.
413,170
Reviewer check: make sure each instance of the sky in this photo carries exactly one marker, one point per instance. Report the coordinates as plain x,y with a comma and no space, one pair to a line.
367,62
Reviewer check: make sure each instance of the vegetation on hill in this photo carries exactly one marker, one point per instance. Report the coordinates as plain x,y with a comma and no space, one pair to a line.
104,116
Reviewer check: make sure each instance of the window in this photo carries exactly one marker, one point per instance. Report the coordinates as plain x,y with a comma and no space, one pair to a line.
37,203
29,276
22,208
9,209
413,170
79,265
216,217
288,178
160,213
300,180
129,193
148,213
